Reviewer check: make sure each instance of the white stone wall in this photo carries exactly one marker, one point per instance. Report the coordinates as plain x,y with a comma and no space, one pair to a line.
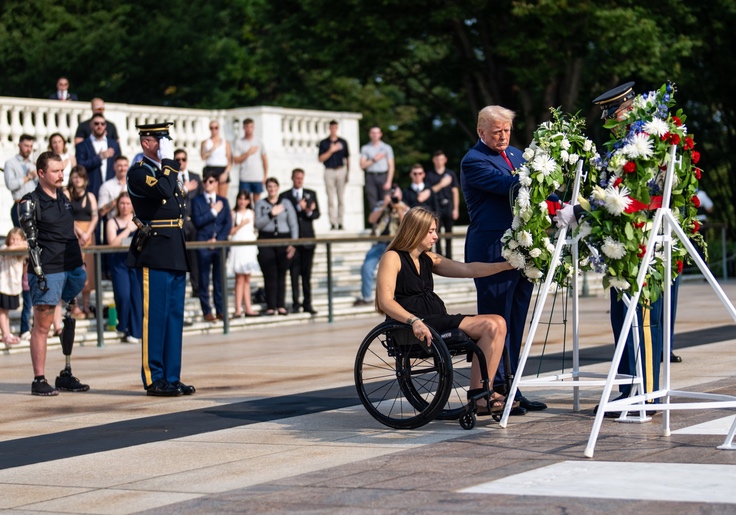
290,136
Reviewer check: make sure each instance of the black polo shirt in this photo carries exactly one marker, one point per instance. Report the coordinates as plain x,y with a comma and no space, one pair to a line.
61,251
444,196
336,159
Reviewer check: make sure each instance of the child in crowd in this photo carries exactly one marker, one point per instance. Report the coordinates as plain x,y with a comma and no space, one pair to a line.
243,261
11,282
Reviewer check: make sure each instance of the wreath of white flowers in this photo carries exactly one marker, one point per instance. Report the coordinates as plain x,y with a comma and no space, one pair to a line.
632,176
550,162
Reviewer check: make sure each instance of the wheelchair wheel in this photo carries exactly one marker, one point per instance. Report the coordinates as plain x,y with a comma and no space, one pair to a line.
401,381
456,404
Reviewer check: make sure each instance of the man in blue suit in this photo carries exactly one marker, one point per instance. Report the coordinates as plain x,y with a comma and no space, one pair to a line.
211,217
97,154
488,186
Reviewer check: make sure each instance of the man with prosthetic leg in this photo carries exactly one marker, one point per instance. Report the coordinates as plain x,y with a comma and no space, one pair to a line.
158,253
56,272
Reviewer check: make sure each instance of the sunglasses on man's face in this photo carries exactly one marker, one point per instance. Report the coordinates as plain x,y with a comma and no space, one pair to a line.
210,181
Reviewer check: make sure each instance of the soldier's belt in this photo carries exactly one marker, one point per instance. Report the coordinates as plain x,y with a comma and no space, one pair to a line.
160,224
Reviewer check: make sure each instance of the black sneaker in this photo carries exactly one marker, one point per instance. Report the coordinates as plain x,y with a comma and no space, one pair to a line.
68,383
43,388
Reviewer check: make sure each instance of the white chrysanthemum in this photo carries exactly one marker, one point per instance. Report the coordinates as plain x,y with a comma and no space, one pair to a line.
507,235
525,181
528,154
587,145
556,185
564,155
621,284
506,253
543,207
532,272
613,249
543,163
523,198
640,146
516,259
550,248
535,253
525,239
515,223
617,200
656,127
565,144
573,159
512,244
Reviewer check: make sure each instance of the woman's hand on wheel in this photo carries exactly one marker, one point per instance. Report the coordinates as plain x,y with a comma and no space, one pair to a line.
422,332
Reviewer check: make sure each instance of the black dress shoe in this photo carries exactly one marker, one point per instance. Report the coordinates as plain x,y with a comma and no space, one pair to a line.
185,388
295,308
674,358
518,411
310,310
162,388
531,405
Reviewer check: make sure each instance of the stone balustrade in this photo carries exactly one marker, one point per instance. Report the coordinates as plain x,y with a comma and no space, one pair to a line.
290,137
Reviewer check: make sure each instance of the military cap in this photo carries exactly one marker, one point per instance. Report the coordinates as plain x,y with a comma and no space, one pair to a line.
611,100
157,130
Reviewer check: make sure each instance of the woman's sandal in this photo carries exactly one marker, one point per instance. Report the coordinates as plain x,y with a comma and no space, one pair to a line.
498,402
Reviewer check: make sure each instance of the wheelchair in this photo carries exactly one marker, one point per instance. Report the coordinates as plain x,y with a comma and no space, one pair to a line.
405,384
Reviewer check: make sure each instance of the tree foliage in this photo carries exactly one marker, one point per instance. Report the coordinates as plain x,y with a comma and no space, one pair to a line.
420,69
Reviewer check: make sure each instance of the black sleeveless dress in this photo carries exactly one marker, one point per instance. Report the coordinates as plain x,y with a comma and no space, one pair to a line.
415,293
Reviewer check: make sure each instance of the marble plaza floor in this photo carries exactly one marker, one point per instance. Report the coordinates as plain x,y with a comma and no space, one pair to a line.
276,426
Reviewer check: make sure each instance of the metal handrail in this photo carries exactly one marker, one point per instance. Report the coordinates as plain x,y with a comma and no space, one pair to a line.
98,250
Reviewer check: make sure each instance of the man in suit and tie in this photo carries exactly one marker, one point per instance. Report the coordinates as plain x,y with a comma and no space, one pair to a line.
307,210
212,219
62,91
487,181
191,183
419,193
97,154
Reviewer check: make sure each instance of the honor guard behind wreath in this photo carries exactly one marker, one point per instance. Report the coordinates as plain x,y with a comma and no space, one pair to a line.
158,252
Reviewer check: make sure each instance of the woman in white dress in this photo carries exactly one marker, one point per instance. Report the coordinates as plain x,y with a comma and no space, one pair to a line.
243,260
57,144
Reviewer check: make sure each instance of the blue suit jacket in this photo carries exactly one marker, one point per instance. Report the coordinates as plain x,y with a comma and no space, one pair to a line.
87,157
487,182
206,223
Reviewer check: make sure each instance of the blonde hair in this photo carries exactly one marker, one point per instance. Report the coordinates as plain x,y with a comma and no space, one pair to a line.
412,230
490,114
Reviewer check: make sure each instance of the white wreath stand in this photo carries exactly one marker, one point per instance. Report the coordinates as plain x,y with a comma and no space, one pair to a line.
576,378
663,227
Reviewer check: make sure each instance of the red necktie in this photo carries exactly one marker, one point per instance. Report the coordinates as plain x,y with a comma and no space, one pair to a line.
505,158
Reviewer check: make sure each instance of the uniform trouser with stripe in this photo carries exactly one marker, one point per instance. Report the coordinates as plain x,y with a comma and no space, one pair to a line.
650,342
163,323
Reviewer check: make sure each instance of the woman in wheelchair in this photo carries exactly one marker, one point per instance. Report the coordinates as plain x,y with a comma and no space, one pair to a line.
405,292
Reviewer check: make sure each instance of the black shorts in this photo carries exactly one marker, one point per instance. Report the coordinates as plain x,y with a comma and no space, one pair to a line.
9,302
216,171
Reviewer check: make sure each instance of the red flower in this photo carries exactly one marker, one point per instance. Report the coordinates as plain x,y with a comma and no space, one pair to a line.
618,181
695,157
639,225
679,266
698,175
689,143
642,251
677,121
696,226
665,136
675,139
630,167
696,201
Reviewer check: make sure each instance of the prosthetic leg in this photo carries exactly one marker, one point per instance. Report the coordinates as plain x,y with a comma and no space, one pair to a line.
66,381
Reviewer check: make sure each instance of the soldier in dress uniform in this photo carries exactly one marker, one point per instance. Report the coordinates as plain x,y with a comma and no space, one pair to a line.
158,252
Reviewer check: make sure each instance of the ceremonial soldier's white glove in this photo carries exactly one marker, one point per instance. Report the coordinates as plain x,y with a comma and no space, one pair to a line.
165,149
565,217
